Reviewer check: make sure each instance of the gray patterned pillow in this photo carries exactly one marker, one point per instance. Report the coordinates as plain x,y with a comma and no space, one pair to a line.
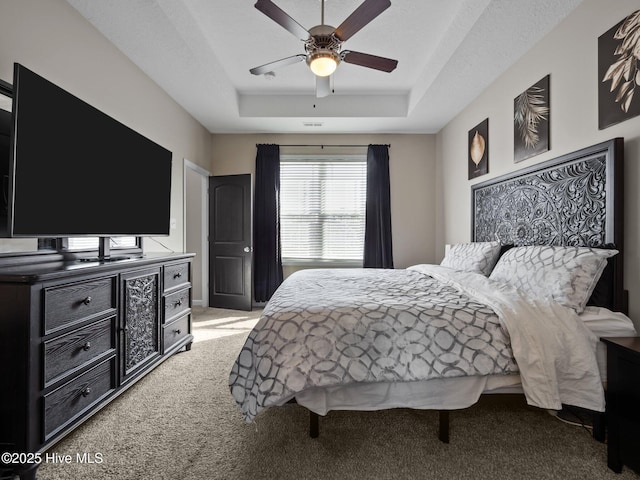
567,275
479,257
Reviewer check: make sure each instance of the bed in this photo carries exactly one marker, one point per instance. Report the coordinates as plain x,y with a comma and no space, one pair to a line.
518,309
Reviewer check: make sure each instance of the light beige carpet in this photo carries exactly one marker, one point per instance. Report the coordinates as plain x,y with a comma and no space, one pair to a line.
180,422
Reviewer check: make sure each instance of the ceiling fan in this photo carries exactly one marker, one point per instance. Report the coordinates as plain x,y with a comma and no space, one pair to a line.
323,43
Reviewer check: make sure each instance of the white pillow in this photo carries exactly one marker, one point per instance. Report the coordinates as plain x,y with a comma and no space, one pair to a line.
479,257
567,275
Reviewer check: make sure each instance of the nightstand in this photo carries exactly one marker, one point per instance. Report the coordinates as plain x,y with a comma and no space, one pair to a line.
623,402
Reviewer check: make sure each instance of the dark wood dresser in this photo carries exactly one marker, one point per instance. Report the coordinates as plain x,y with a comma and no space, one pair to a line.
74,335
623,402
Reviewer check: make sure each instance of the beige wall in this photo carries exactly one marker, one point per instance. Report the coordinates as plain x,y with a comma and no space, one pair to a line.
569,55
52,39
412,169
194,192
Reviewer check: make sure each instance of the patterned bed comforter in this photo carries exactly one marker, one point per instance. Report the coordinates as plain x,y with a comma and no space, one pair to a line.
334,327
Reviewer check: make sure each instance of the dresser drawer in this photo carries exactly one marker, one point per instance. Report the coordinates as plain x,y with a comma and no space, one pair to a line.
74,398
176,331
75,302
64,354
176,275
176,304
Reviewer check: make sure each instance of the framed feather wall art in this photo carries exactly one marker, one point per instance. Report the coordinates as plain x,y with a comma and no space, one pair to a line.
531,121
479,149
619,72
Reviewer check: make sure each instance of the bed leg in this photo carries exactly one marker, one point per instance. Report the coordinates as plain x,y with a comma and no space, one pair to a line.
314,424
443,430
599,426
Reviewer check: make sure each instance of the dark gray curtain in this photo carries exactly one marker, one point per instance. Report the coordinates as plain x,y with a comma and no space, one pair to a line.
378,249
267,258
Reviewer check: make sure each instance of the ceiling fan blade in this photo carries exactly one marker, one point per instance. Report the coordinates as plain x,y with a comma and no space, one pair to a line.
269,67
369,61
367,11
279,16
323,86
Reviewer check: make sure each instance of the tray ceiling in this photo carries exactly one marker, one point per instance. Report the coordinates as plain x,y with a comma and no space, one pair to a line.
200,53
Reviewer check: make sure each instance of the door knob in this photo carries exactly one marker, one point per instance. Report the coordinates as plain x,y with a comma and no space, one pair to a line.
247,249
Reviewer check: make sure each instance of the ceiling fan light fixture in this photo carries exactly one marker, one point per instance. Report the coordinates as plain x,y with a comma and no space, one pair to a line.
323,63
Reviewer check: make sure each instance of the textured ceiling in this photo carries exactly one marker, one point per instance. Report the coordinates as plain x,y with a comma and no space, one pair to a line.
200,53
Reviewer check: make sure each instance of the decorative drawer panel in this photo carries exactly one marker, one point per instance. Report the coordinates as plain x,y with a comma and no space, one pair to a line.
176,304
76,397
141,335
64,354
176,275
72,303
176,331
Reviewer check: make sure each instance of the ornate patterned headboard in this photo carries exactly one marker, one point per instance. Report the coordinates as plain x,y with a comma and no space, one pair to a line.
575,199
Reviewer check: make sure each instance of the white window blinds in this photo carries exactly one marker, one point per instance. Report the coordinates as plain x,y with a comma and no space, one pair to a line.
322,211
91,243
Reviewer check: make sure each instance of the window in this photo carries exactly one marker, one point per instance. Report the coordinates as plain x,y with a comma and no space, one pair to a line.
322,212
89,247
92,243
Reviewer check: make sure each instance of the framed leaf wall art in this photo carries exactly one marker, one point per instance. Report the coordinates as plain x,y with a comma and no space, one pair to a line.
531,114
619,72
478,150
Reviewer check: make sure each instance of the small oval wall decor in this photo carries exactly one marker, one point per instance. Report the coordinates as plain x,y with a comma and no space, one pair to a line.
477,148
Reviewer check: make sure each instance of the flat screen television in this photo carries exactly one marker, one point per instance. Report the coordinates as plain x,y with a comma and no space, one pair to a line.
75,171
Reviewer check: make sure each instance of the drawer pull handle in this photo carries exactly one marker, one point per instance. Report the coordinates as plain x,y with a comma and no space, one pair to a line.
177,275
86,346
178,303
86,392
177,331
87,300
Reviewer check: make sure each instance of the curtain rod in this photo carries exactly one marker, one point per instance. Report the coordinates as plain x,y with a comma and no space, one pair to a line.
322,146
